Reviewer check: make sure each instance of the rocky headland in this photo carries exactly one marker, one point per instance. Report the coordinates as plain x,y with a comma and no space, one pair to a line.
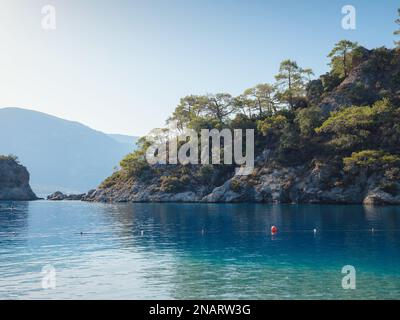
14,181
339,143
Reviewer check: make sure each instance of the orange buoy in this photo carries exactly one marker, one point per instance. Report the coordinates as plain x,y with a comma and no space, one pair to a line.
274,230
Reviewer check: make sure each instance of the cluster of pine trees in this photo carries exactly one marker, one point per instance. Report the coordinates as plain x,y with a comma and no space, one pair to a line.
288,121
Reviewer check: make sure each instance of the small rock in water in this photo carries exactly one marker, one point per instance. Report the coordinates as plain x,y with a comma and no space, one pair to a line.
59,196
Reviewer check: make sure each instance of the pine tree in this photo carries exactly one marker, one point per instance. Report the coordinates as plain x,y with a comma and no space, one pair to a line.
340,53
291,82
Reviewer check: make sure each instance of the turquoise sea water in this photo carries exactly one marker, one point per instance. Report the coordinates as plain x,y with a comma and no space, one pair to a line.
196,251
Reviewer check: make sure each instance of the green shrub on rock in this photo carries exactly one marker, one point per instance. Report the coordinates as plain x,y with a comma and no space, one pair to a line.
271,125
111,180
236,186
134,164
170,184
308,119
376,160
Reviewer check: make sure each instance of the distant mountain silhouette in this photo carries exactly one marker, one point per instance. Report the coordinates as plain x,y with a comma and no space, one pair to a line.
59,154
122,138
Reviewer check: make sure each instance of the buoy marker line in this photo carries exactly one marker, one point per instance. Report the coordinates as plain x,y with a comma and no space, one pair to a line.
205,232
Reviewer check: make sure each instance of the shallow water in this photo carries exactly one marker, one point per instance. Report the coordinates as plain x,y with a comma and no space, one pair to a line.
194,251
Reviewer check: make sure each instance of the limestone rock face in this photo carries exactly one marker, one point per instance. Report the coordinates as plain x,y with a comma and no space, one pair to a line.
269,183
14,181
380,197
140,192
303,184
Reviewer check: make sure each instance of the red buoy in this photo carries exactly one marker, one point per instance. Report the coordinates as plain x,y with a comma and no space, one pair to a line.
274,230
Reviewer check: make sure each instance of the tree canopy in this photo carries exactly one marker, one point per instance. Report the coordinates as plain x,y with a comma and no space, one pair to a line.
260,99
341,57
291,82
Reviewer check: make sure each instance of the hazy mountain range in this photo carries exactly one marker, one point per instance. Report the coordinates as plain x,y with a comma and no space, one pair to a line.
59,154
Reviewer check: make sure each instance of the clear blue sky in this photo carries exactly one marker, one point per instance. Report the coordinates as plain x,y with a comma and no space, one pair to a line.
121,66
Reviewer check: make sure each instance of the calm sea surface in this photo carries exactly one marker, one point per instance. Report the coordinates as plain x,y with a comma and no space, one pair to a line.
195,251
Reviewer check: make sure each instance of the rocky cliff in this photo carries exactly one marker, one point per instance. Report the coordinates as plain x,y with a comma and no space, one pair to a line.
318,175
376,75
314,182
14,181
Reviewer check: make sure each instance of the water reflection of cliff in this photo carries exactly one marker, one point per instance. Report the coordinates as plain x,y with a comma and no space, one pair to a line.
13,220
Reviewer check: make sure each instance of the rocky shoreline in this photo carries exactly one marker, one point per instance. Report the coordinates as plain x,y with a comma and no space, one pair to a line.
59,196
270,183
